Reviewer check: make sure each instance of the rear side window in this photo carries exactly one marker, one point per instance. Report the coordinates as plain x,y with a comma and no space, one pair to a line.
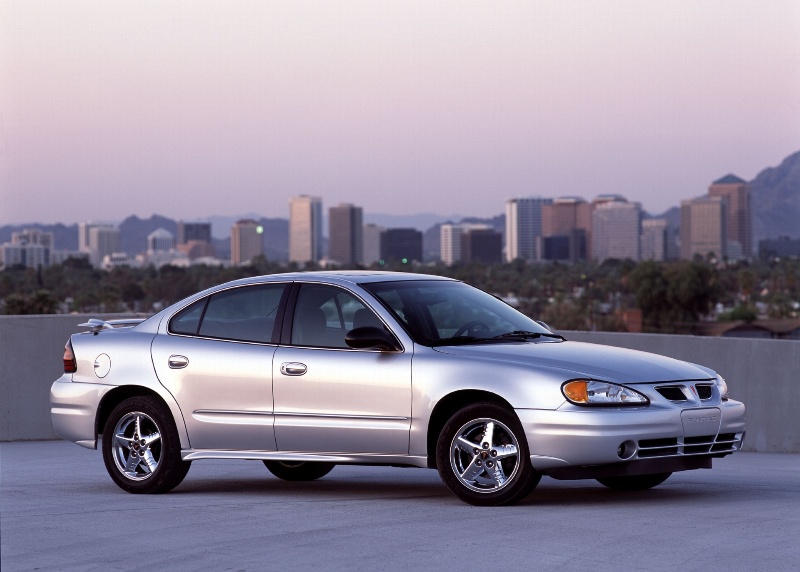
242,314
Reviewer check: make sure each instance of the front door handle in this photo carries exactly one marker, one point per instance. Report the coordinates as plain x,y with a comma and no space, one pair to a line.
178,362
293,368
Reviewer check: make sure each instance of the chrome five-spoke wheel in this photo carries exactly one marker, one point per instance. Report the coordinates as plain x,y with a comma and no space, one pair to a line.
141,447
483,458
137,445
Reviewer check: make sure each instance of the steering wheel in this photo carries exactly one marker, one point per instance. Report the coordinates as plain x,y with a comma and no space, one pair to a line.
472,327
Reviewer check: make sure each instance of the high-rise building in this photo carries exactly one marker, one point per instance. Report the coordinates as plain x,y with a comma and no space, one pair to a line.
483,245
524,227
736,193
401,245
160,240
450,240
654,239
569,220
305,229
704,227
246,241
616,226
25,254
193,231
346,234
84,229
372,243
103,241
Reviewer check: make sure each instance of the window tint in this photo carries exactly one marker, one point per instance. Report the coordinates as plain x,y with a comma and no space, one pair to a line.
187,320
324,314
244,314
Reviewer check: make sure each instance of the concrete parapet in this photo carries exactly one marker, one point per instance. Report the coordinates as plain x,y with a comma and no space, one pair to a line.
762,373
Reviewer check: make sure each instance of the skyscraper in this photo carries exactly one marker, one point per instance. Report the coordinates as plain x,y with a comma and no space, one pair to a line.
524,227
103,241
193,231
160,240
484,245
736,193
346,232
372,243
704,227
305,229
450,240
401,245
616,226
246,241
567,221
654,239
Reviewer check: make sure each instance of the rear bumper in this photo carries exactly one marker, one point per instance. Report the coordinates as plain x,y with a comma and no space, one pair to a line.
73,410
582,442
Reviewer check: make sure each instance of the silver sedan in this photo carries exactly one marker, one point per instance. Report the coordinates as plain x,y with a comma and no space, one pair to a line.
305,371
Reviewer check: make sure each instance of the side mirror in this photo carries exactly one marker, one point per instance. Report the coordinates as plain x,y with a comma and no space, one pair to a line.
370,337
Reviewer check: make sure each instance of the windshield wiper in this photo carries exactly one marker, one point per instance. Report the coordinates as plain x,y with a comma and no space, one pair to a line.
525,335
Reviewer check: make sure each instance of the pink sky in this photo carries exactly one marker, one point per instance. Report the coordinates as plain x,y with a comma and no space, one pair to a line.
189,109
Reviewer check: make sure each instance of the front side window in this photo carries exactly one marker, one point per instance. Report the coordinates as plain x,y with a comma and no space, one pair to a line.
324,314
241,314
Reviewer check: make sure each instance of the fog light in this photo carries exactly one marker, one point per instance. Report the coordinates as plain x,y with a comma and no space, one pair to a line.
626,450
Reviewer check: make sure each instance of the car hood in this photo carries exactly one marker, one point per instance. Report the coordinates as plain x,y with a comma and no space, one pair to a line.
578,359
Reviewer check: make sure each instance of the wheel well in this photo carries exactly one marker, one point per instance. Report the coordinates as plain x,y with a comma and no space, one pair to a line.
447,407
117,396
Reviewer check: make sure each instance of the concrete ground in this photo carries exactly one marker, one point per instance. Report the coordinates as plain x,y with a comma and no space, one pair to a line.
60,510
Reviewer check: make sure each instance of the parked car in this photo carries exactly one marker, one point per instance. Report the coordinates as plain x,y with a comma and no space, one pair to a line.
305,371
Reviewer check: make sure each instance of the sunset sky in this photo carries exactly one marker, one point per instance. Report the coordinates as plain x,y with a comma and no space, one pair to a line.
190,109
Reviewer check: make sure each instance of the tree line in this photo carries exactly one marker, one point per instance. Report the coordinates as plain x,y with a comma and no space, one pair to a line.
672,296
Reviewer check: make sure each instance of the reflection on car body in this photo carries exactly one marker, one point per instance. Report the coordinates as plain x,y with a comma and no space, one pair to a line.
308,370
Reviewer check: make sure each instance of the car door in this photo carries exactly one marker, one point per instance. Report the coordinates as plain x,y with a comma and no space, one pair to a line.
328,397
215,357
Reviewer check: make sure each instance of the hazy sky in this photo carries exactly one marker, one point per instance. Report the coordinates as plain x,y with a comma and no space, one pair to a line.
189,109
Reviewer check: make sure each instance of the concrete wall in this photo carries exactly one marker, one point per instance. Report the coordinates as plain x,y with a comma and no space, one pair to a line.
762,373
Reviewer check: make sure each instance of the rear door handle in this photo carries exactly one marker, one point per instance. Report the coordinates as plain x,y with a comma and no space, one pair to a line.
293,368
178,362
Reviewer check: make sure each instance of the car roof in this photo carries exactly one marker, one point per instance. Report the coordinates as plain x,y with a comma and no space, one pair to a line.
340,276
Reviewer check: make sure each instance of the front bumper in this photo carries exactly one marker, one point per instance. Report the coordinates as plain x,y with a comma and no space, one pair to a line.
73,410
581,442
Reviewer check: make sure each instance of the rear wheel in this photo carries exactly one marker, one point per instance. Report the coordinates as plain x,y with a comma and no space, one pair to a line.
482,456
634,482
299,470
141,447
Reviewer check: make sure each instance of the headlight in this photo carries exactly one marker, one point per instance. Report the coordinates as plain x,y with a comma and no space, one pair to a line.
722,386
590,392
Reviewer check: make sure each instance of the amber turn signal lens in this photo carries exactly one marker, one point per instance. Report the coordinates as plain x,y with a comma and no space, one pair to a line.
577,391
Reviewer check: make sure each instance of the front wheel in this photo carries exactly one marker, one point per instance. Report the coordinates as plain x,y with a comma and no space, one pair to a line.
141,447
298,471
482,456
634,482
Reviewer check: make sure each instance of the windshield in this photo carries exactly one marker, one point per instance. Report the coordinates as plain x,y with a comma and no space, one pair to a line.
447,313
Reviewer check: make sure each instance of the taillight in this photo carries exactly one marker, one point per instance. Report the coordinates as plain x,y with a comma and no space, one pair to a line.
70,365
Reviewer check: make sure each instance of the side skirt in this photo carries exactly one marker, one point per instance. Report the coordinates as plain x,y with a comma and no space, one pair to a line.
295,457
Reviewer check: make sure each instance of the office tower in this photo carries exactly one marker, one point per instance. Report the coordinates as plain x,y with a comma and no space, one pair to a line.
305,229
33,236
704,227
246,241
450,240
34,248
160,240
103,241
482,245
84,228
23,253
524,227
616,226
736,194
401,245
372,243
654,239
188,231
566,229
346,231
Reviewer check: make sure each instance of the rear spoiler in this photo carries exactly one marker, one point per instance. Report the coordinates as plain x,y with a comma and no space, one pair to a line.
96,325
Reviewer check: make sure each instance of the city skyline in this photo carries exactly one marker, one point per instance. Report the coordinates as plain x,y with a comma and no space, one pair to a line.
398,107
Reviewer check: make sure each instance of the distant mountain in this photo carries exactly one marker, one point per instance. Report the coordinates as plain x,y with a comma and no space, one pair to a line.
420,221
776,200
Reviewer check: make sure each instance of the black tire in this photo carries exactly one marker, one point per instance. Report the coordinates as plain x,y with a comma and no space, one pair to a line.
634,482
141,447
298,471
494,472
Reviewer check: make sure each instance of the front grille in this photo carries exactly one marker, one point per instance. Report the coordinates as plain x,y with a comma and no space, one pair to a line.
677,446
704,390
672,392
